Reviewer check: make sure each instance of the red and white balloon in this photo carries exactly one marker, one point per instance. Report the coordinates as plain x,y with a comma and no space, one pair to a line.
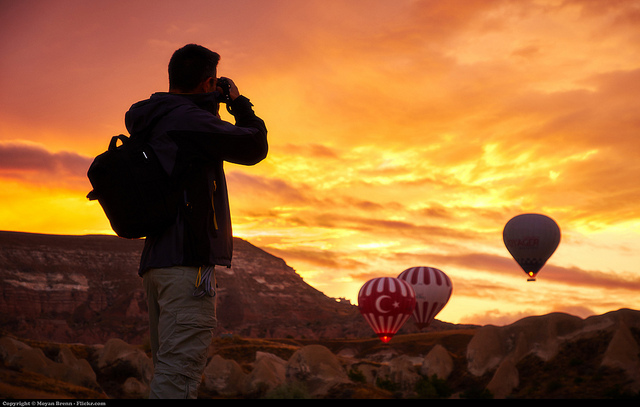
432,288
386,303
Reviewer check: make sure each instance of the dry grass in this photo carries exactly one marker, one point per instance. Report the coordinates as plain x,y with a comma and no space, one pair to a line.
29,385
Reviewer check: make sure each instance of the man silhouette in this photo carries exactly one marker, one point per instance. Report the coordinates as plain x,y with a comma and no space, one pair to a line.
178,264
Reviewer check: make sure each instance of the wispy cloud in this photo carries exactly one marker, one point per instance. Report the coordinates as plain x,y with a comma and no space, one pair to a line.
33,163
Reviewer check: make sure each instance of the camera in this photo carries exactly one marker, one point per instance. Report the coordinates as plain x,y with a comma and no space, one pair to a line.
223,83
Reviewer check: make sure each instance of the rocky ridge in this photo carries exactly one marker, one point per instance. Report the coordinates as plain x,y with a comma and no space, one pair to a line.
86,289
549,356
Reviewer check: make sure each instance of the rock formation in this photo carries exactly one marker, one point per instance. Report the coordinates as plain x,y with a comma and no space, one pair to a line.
500,349
600,352
86,289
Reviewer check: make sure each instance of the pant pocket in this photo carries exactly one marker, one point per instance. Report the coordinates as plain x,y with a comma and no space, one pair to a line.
197,319
194,331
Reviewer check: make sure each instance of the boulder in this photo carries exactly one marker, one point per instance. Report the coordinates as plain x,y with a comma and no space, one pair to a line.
317,367
269,372
438,362
223,377
486,350
505,379
117,355
67,368
132,388
368,370
401,371
78,371
622,352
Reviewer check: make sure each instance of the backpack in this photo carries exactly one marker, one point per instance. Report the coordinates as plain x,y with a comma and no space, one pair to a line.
139,198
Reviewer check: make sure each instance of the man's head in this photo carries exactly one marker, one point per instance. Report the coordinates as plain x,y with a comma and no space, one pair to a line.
192,69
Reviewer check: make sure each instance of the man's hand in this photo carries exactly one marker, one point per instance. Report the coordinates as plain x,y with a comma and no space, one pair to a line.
233,89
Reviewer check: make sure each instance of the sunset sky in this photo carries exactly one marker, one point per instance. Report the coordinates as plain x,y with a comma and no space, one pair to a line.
402,133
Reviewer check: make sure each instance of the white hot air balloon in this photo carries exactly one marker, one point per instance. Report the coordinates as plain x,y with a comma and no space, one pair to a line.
433,289
531,239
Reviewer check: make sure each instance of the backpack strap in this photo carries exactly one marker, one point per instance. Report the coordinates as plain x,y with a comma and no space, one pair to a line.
114,141
145,134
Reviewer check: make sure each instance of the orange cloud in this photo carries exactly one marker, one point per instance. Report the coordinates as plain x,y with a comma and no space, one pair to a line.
32,163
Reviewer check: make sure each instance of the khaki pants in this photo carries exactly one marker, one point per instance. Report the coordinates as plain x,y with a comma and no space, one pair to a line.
181,328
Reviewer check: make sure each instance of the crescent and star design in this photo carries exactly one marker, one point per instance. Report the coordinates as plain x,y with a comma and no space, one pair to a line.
379,306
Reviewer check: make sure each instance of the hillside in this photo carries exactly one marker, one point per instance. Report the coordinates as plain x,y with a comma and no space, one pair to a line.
86,289
73,325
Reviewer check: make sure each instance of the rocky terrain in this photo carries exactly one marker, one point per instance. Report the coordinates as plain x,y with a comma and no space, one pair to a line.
85,289
74,326
550,356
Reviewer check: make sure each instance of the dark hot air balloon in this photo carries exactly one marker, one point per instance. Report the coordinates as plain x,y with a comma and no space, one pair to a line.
433,290
386,303
531,239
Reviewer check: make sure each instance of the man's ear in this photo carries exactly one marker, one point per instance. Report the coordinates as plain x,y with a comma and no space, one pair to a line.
206,86
210,84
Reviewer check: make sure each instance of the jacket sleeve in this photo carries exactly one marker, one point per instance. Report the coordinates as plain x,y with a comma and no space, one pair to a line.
205,136
254,150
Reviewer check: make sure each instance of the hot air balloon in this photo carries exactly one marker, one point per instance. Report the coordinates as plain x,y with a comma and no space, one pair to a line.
433,290
386,303
531,239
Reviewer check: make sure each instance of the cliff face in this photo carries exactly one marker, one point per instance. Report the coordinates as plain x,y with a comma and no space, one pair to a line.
70,288
86,289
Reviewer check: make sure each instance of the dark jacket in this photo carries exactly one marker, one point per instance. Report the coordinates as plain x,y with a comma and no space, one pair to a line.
192,143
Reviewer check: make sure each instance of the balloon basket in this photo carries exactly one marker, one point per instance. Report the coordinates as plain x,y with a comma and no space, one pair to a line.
385,337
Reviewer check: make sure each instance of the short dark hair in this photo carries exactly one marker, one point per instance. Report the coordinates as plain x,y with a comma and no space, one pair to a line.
190,65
